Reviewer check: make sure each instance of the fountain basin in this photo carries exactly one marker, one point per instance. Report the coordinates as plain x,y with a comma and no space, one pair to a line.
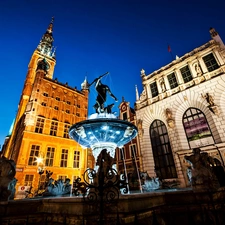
102,131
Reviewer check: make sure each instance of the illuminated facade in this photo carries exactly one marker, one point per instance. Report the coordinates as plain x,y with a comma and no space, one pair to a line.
46,110
128,157
182,107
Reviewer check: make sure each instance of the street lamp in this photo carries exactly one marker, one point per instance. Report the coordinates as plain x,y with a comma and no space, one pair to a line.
40,169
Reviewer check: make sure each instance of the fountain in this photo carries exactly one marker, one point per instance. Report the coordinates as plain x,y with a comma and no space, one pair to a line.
103,130
103,133
101,186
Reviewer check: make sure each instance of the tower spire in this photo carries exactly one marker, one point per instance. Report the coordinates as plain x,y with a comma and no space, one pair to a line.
50,27
46,44
137,94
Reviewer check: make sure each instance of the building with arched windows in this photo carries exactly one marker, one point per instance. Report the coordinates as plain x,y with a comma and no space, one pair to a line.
182,107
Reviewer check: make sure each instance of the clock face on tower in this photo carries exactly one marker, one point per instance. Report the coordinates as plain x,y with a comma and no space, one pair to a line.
124,108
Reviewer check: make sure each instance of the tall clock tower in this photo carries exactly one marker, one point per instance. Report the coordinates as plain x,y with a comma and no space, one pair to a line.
46,110
43,51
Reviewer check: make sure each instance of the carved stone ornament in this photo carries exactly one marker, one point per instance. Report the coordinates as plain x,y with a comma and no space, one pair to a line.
211,105
214,109
198,69
57,187
143,95
140,129
162,84
170,121
142,72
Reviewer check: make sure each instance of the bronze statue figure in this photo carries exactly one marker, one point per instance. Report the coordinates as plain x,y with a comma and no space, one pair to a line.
102,90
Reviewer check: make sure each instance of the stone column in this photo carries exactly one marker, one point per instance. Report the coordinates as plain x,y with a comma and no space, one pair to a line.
202,64
192,69
166,83
148,91
158,85
219,59
179,76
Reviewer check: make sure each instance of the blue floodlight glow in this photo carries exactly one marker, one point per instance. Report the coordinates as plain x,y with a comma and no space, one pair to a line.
106,130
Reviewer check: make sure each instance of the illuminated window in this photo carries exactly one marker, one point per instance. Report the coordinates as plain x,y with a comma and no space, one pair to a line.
44,103
210,62
76,159
172,80
39,125
45,94
162,152
53,128
121,154
49,156
63,178
154,89
186,74
34,153
64,158
28,180
66,131
196,126
42,182
133,151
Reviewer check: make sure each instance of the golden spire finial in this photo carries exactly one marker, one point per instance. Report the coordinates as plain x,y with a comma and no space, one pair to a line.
50,27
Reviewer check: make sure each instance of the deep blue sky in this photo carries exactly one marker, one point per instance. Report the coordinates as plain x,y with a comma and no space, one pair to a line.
96,36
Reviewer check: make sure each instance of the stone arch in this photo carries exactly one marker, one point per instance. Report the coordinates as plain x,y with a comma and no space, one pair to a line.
153,112
162,152
42,63
202,132
220,99
193,100
149,115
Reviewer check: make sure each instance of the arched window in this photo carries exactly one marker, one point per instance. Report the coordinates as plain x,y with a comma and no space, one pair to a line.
162,153
197,128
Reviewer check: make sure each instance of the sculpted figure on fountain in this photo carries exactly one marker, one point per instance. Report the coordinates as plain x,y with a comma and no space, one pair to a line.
7,179
202,175
102,91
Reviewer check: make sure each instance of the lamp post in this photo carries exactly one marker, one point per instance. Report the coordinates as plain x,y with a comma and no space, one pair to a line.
40,169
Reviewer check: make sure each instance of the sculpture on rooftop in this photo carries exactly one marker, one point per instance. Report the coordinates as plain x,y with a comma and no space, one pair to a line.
102,90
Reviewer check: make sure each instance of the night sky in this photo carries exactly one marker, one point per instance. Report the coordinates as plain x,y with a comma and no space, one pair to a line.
93,37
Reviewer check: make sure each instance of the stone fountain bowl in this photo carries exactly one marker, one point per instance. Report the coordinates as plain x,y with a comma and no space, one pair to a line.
90,132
